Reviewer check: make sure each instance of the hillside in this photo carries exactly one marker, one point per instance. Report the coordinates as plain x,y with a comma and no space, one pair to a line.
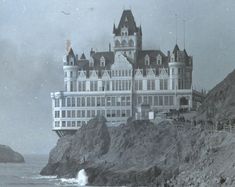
219,103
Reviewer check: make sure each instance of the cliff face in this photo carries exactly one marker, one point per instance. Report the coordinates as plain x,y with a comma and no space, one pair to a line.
8,155
138,153
220,101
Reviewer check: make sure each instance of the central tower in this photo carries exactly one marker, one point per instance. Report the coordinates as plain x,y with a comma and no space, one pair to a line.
127,36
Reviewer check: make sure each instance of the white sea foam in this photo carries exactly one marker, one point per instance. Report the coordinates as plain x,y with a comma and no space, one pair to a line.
44,177
80,180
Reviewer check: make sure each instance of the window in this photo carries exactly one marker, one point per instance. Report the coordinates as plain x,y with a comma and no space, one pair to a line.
117,43
159,59
68,114
150,84
156,100
73,113
83,101
93,101
63,123
171,100
163,84
57,114
108,101
131,43
73,101
78,113
68,102
139,99
88,102
63,113
124,43
138,84
63,101
78,101
102,61
93,86
57,102
147,60
160,100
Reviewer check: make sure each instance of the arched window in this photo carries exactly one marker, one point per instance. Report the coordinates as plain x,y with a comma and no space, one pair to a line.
117,43
131,43
124,43
102,61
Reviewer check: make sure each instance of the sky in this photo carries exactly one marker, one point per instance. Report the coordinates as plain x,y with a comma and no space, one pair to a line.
32,44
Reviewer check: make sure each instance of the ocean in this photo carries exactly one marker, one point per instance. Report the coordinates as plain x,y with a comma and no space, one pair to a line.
27,174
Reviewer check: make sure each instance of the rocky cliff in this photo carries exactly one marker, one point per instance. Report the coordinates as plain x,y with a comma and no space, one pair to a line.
8,155
219,103
138,153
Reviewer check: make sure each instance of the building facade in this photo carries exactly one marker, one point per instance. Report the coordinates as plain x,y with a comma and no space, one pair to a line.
115,82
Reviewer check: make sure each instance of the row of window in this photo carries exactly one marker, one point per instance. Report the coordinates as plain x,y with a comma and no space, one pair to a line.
93,101
91,113
156,100
118,85
69,123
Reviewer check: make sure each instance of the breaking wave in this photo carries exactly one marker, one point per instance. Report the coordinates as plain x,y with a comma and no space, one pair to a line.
80,180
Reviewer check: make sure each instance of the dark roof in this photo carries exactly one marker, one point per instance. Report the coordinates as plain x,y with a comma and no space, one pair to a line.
182,56
140,64
70,52
83,57
176,48
127,20
109,60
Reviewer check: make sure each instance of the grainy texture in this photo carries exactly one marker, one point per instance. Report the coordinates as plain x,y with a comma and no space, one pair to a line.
8,155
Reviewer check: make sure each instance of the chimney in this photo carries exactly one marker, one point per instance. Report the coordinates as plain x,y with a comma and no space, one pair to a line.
109,47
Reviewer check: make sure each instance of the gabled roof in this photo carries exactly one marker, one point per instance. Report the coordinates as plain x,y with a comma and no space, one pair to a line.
127,20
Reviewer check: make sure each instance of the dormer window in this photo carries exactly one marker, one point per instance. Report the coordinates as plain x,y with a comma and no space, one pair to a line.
91,62
159,59
102,61
146,60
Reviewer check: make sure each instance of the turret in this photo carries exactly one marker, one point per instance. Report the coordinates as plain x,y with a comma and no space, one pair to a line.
127,36
177,67
70,69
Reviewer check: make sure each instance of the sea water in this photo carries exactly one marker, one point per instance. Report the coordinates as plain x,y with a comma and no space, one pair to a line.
27,174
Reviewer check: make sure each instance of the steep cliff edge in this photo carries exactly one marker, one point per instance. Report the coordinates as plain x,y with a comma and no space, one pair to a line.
7,155
138,153
219,103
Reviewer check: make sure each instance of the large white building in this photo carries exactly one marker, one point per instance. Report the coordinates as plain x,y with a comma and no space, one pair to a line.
114,83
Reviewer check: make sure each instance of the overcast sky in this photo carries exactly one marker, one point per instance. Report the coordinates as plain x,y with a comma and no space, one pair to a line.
32,44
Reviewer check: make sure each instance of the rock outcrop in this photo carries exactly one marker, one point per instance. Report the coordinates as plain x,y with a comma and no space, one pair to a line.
138,153
7,155
143,154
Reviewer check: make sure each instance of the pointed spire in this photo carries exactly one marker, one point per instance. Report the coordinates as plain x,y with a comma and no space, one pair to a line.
176,48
